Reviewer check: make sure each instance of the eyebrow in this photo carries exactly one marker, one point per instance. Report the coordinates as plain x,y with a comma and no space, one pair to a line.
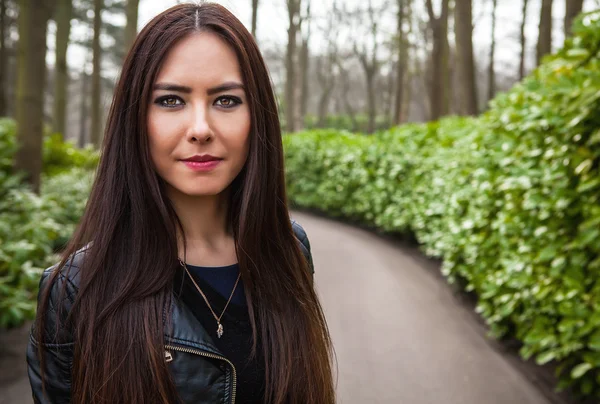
230,85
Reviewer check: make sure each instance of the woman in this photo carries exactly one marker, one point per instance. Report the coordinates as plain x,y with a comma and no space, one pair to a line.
185,281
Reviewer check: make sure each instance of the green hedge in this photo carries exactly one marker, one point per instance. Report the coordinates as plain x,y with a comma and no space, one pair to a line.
509,200
344,122
34,227
60,156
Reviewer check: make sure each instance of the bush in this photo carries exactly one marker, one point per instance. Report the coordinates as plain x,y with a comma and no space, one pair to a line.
34,227
344,122
8,148
60,156
509,201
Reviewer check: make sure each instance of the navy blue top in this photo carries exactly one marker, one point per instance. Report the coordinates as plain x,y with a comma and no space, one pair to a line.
222,279
217,283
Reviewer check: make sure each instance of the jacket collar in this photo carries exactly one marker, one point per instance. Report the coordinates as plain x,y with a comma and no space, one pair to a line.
186,330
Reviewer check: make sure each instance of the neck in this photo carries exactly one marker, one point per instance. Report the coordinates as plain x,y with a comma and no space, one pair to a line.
204,221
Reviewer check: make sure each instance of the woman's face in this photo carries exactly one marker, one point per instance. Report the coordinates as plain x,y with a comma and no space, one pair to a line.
199,107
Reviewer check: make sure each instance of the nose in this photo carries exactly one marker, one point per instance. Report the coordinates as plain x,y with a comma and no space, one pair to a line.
199,128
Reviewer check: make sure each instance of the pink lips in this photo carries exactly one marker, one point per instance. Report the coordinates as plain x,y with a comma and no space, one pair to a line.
201,165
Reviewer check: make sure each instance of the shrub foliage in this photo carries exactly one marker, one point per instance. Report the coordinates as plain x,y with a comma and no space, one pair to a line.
509,201
34,227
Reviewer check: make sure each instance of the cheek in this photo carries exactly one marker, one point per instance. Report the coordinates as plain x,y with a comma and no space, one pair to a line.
154,144
243,138
162,137
235,132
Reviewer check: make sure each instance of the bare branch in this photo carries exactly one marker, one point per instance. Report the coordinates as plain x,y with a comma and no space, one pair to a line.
430,11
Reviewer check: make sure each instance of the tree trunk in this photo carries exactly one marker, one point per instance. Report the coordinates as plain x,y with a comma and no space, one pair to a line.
463,27
323,108
573,8
131,13
400,71
408,76
254,16
324,67
291,84
422,84
61,81
32,23
83,115
345,76
3,65
372,110
407,97
544,45
388,92
439,90
523,41
304,67
492,71
95,135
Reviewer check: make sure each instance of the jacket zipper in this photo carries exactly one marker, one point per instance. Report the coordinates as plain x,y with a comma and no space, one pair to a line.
169,358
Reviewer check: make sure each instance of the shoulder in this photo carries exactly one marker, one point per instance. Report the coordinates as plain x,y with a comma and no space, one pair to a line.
304,243
69,273
63,284
300,233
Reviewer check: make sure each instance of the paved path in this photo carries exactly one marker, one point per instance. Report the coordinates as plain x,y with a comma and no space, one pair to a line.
399,334
14,384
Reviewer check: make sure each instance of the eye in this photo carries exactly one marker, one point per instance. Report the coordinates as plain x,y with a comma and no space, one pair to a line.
169,101
228,101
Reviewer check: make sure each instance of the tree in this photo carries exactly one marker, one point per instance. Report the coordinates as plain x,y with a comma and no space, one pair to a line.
254,16
111,40
492,70
439,88
325,64
131,13
573,8
346,84
81,138
63,13
402,61
84,82
33,19
96,111
463,27
369,61
522,41
294,17
2,57
9,40
544,45
409,61
326,81
304,67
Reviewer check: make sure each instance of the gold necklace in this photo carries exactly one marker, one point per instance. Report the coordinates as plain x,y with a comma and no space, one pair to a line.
219,325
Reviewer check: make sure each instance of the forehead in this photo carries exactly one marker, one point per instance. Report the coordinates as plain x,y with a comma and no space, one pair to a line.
200,59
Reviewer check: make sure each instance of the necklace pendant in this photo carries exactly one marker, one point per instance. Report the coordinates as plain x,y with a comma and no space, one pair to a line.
220,330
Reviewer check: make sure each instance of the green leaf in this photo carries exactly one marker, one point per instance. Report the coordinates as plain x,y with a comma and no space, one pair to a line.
579,370
584,167
595,137
545,357
594,342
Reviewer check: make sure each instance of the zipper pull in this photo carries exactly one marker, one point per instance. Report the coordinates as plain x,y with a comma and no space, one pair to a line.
168,356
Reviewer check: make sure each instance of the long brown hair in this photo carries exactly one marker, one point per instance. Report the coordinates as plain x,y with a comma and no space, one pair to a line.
127,276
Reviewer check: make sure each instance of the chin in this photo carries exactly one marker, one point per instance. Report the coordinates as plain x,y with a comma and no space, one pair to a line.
202,191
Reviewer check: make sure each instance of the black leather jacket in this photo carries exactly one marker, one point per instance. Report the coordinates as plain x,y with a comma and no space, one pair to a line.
188,348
